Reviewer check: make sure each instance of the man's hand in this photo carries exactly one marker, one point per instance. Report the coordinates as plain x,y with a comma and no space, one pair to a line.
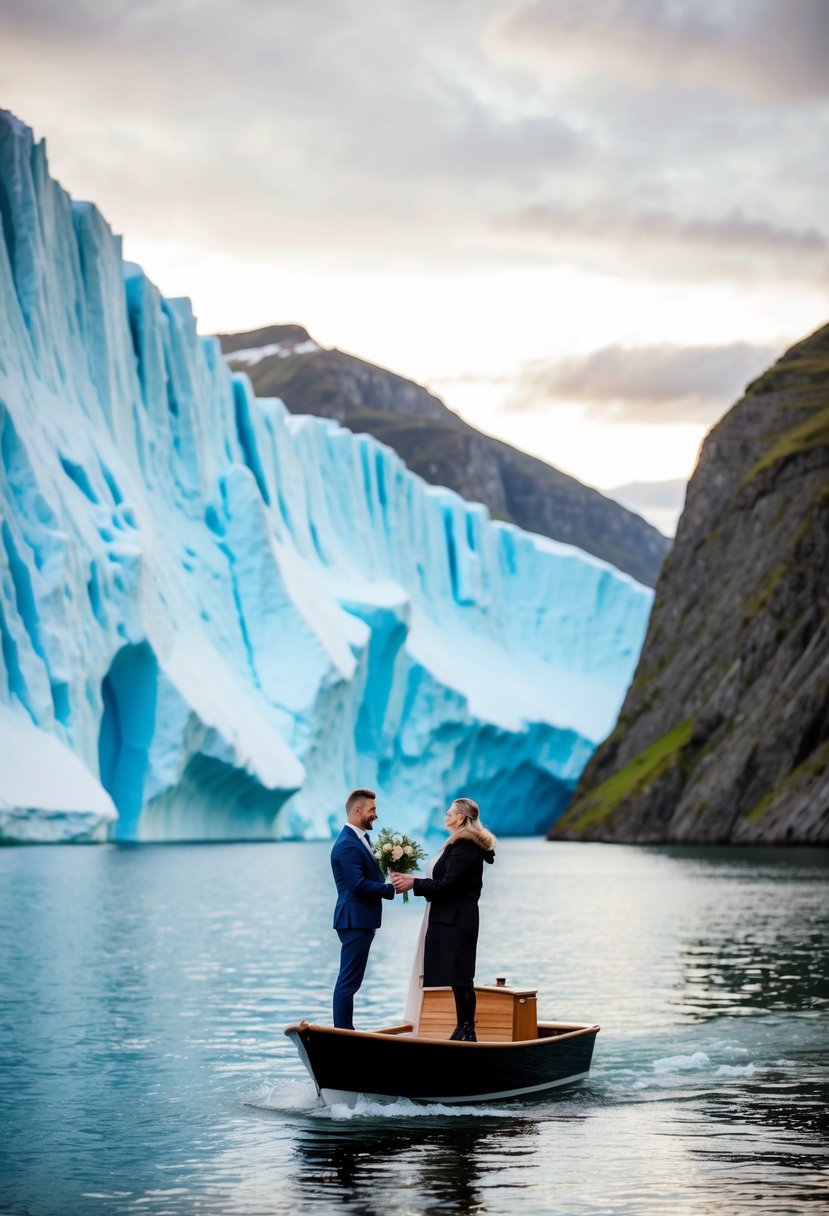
401,882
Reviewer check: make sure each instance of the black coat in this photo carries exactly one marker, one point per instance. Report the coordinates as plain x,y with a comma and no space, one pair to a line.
452,935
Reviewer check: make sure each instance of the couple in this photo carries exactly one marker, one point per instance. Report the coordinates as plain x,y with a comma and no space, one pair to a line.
445,955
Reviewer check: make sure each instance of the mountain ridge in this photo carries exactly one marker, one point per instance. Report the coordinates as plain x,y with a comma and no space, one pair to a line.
444,449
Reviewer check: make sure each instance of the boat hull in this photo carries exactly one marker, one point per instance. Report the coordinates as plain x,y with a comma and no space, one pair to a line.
344,1063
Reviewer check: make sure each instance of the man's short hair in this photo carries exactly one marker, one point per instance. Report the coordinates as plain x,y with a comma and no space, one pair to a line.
356,797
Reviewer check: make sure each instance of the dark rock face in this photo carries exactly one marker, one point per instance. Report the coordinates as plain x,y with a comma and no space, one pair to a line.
283,335
724,735
445,450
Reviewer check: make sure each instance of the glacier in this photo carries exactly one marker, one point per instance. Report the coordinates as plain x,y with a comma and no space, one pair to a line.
218,618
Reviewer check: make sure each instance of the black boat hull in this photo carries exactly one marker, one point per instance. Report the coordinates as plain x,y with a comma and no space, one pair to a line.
344,1063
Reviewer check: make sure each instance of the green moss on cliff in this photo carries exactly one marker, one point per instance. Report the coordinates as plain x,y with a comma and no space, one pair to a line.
784,569
812,766
761,599
797,382
633,779
804,367
813,433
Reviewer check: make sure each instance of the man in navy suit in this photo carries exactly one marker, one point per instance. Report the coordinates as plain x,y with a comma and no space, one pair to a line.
360,888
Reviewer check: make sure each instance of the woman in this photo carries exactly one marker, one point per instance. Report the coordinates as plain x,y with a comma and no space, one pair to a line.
451,921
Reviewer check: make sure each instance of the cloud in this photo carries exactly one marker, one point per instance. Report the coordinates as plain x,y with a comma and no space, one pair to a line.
295,127
367,90
608,231
343,136
647,384
769,48
734,229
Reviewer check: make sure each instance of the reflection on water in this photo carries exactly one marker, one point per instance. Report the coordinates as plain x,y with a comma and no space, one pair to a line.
790,1106
143,993
746,974
738,967
447,1163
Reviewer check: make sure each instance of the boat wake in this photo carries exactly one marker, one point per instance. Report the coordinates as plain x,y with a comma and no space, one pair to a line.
286,1096
296,1097
403,1108
707,1057
670,1070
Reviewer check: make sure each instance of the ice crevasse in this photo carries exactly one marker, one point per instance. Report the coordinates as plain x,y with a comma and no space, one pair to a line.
217,618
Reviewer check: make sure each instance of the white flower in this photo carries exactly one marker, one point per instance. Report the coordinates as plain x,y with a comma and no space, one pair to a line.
396,853
408,850
378,853
397,840
387,848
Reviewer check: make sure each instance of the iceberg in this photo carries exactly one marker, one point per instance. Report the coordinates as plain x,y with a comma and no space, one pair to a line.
217,618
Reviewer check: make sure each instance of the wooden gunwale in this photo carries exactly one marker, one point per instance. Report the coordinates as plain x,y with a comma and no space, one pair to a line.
571,1031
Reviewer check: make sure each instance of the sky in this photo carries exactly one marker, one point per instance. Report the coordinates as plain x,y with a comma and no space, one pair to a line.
585,224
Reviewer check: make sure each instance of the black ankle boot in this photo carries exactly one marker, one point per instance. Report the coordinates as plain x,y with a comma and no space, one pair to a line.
457,1033
467,1034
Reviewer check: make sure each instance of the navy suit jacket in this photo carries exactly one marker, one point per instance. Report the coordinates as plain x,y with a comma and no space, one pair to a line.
360,886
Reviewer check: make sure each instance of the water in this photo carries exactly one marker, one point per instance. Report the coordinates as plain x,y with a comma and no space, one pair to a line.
143,992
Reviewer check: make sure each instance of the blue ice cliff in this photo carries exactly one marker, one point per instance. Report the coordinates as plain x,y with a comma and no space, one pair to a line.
217,618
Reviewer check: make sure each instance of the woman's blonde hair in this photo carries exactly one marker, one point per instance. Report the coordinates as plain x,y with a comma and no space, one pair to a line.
471,828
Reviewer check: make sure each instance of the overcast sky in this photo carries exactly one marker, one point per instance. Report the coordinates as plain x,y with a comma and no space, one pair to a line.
585,223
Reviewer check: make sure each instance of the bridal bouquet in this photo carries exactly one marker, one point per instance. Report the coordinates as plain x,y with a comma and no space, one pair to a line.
394,851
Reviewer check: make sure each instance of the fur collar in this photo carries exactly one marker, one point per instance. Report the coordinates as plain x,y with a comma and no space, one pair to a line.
475,835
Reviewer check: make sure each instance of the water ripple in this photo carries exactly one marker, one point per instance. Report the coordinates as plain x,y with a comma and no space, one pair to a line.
143,994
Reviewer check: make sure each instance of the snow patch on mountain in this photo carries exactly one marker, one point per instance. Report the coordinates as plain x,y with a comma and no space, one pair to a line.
255,354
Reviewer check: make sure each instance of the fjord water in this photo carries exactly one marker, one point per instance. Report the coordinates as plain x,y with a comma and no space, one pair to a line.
143,992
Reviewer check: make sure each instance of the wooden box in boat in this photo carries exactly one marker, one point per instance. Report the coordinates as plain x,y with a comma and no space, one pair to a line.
502,1014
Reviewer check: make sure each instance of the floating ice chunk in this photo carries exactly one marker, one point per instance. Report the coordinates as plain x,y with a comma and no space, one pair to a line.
47,795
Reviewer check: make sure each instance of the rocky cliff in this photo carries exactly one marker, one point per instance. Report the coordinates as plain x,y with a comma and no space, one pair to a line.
724,734
283,361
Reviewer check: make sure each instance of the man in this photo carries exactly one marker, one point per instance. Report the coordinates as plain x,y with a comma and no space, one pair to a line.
360,888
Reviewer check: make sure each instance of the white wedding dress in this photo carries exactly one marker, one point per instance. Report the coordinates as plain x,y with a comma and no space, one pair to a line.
414,997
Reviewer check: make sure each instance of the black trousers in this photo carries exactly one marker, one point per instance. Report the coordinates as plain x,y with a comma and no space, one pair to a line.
465,1004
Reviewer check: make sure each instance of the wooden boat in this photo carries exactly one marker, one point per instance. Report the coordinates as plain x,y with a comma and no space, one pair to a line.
515,1055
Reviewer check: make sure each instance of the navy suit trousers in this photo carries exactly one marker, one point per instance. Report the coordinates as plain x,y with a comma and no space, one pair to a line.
356,944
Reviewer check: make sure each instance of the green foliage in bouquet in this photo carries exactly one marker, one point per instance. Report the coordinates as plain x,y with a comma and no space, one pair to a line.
394,851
